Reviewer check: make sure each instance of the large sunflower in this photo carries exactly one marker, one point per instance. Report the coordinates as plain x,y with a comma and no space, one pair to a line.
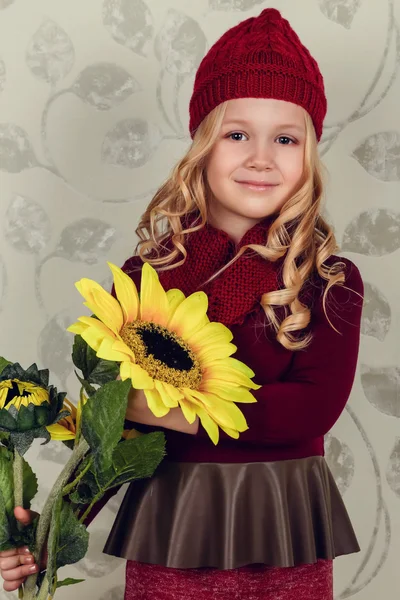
168,347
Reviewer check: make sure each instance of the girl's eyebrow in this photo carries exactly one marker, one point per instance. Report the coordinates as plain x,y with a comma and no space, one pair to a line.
245,123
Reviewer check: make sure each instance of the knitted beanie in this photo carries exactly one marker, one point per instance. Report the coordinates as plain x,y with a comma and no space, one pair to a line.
261,57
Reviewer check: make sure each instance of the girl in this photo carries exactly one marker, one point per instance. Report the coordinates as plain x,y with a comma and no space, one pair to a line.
259,517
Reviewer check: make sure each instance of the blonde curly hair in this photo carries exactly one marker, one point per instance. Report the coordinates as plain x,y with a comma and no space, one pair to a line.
299,233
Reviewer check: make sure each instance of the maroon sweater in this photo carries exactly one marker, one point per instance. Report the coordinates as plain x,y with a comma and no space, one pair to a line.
303,392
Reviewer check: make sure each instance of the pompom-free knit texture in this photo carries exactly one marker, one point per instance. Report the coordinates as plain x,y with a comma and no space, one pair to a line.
261,57
238,290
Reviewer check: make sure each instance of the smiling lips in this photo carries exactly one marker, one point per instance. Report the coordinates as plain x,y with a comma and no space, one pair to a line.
257,185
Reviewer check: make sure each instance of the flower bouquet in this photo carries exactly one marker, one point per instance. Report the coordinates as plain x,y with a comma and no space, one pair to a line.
159,342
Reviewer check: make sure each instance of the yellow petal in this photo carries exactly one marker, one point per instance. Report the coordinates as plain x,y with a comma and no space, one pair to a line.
227,392
3,397
188,410
175,298
120,346
190,316
154,304
96,324
126,293
212,333
77,328
155,403
60,433
86,286
167,400
106,350
93,337
172,391
224,413
212,352
234,376
141,380
107,309
209,425
231,432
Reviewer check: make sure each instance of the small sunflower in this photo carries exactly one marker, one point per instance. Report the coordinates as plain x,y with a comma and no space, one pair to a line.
28,404
167,346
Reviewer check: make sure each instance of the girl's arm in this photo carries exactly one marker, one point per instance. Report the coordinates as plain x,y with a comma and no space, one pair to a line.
139,412
310,400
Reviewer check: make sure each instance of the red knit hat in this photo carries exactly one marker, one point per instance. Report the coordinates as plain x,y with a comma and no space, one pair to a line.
261,57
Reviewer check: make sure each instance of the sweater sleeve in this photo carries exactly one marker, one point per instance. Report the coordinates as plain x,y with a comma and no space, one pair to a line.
314,392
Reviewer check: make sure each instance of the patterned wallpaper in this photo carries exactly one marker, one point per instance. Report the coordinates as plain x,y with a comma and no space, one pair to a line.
93,115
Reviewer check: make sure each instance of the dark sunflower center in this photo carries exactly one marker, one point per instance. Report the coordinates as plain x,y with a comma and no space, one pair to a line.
163,354
15,393
165,348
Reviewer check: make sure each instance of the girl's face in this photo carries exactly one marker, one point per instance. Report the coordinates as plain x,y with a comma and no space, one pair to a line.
256,163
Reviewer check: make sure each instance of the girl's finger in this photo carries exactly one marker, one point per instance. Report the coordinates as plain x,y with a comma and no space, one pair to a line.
10,586
19,573
16,561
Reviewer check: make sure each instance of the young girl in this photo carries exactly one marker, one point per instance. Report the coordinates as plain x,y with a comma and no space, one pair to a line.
259,517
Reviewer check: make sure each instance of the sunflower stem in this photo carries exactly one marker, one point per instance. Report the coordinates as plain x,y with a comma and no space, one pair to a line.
68,488
18,493
43,527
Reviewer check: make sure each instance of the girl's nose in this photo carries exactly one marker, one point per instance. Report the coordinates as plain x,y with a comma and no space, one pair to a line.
260,157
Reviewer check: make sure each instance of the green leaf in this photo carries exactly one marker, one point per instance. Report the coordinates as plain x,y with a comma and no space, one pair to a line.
7,421
136,458
94,370
7,480
69,581
132,459
22,441
84,357
26,418
103,419
30,483
74,539
4,524
105,370
3,363
89,389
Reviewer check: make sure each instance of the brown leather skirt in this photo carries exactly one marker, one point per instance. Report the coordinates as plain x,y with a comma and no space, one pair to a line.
192,515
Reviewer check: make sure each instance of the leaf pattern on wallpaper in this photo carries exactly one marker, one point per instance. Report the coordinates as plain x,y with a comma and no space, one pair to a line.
2,75
104,85
379,155
97,564
27,227
130,23
54,452
340,460
377,314
373,232
393,469
340,11
50,54
130,143
16,152
115,593
3,283
382,388
5,3
54,345
85,240
180,44
241,5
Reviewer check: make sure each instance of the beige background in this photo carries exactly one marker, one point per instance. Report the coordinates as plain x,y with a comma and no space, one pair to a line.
93,115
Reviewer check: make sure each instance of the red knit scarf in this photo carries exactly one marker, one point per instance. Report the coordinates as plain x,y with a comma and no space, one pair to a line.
238,290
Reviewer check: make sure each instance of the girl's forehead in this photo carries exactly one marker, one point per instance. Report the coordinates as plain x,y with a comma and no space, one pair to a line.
268,110
256,108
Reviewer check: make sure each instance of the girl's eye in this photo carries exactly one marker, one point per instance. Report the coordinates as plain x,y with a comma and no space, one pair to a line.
237,135
287,140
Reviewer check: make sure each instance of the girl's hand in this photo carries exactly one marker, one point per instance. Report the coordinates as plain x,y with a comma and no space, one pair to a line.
18,563
139,412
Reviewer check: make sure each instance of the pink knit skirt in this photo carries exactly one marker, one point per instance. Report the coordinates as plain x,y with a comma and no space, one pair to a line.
255,582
